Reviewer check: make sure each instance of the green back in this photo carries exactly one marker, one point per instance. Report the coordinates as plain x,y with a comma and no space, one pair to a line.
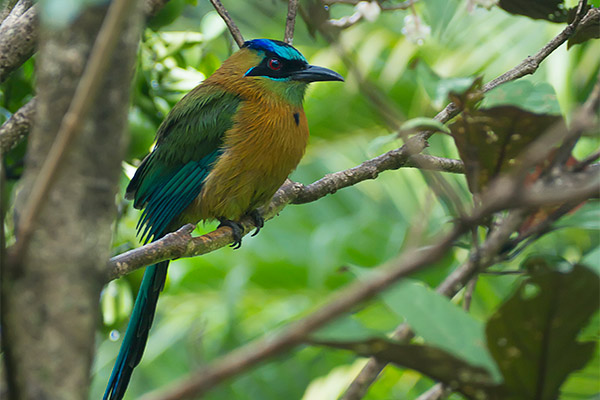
188,143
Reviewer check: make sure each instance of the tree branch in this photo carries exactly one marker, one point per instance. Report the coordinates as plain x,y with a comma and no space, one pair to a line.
290,21
182,244
235,32
434,163
18,40
17,126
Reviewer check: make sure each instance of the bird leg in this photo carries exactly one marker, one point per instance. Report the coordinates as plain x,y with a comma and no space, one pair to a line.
237,231
258,221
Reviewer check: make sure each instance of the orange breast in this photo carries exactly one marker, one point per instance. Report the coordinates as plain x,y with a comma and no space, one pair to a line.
264,145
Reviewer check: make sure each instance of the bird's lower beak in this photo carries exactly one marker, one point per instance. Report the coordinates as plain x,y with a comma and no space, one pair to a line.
314,74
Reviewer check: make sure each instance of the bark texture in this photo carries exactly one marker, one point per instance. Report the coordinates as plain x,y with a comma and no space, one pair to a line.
51,296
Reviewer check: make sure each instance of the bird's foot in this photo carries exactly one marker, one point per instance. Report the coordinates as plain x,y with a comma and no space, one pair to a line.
237,231
258,221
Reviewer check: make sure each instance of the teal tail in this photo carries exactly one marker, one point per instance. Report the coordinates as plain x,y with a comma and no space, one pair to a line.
136,335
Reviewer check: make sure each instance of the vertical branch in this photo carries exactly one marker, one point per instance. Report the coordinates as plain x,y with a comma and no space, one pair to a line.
82,102
235,32
290,21
50,300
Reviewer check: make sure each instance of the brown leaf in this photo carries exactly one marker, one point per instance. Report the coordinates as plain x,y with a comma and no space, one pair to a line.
489,141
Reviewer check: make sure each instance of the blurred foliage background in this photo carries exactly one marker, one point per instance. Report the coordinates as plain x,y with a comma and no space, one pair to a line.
217,302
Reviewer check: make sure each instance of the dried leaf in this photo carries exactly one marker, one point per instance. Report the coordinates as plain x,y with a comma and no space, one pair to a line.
490,140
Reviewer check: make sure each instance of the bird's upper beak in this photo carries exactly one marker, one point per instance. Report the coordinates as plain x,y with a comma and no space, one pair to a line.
313,74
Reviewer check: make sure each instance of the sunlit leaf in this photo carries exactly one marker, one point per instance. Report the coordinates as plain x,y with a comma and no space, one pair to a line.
212,25
537,98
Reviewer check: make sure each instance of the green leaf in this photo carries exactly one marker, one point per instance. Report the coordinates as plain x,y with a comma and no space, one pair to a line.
474,382
441,323
537,98
490,140
592,259
550,10
586,217
584,383
167,14
533,336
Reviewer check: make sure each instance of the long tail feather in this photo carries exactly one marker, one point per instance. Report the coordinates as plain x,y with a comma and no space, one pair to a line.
136,335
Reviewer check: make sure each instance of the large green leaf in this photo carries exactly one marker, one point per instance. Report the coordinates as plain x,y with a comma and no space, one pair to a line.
533,336
537,98
441,323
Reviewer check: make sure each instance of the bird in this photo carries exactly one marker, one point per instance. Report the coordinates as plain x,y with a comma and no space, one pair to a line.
221,152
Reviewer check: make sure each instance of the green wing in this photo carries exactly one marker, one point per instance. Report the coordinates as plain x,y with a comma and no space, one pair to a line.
188,143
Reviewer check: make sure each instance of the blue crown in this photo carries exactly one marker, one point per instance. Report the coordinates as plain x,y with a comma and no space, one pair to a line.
276,47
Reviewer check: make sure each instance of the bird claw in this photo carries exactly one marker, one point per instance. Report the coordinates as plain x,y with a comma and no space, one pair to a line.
236,231
258,221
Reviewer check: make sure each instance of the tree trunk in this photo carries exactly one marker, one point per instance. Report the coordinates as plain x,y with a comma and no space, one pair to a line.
51,301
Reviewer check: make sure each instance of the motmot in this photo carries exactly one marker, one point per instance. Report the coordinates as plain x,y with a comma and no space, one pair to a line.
221,153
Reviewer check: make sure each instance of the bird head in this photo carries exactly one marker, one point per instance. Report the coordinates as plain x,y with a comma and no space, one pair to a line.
263,67
278,61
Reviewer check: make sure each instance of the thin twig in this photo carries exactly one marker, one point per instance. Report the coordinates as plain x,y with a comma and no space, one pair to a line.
235,31
469,293
290,21
434,163
83,99
586,162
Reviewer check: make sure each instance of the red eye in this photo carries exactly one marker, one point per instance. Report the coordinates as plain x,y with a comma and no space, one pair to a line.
274,64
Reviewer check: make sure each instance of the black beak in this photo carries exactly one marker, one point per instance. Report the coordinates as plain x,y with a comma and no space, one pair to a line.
314,74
